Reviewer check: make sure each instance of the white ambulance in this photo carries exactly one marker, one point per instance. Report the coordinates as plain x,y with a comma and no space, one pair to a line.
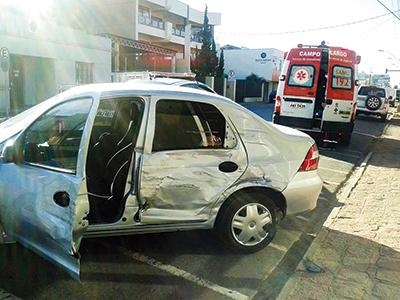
317,91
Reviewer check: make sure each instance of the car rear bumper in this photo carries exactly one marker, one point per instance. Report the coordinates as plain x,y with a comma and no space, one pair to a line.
302,192
366,111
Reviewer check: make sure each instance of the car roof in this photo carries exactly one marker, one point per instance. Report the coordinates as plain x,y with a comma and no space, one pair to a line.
142,87
172,81
163,80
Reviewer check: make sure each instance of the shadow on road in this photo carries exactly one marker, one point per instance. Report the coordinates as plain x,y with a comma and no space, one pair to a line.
353,267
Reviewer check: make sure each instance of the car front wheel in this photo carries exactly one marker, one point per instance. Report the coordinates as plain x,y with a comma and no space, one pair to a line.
247,223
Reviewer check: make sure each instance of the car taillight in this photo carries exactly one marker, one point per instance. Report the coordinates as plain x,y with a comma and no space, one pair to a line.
278,104
310,163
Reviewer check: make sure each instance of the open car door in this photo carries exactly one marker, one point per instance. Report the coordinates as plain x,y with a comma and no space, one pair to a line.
43,199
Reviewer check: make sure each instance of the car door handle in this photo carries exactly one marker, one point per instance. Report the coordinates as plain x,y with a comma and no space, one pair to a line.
228,167
62,199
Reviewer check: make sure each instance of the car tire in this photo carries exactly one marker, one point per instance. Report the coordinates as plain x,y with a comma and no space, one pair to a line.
383,117
239,225
373,103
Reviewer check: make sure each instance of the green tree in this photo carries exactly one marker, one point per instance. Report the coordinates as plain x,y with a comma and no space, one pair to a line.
253,85
206,61
220,72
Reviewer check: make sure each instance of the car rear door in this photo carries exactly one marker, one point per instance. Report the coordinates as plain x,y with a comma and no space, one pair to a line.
192,155
43,201
301,83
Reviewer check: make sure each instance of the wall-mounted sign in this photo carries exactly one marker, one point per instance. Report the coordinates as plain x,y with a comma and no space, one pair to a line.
231,74
4,53
263,58
4,59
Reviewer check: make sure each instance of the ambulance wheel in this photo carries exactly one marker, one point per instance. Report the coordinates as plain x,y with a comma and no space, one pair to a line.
346,139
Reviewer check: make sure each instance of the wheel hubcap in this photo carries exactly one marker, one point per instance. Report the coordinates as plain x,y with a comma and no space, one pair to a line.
250,224
373,103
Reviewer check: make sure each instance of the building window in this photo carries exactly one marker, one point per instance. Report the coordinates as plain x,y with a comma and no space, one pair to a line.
157,23
144,15
145,18
196,34
178,30
84,73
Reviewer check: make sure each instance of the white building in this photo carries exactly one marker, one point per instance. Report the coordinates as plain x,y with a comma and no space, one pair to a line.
265,63
40,59
147,35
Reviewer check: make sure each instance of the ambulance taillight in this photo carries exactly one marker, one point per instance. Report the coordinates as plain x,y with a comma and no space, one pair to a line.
278,104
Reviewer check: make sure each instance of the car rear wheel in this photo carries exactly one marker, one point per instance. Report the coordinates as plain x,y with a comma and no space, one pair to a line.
247,223
373,103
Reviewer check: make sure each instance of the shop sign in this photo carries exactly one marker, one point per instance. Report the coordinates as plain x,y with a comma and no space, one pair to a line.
4,59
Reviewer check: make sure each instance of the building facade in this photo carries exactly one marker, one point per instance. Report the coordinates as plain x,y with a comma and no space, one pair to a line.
146,35
40,59
264,63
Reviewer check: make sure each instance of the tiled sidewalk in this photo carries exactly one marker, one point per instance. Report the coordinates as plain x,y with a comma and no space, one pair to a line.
359,246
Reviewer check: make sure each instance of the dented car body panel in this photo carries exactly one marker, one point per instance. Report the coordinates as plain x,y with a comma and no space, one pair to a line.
164,189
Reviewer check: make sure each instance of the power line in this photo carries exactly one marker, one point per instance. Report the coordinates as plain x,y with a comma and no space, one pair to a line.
391,12
311,29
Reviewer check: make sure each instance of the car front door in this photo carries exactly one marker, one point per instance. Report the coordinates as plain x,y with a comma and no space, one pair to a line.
43,201
192,155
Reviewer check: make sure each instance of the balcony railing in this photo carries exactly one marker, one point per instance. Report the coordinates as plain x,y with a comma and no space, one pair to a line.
153,22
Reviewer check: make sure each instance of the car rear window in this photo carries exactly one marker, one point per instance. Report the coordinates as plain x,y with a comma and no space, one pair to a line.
372,91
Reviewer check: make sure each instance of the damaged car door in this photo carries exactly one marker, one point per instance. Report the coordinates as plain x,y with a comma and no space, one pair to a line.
43,201
192,155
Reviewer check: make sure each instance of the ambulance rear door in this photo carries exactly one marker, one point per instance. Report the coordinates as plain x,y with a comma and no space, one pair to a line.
301,82
340,94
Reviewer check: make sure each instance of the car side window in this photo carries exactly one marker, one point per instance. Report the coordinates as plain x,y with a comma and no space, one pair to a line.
54,139
183,125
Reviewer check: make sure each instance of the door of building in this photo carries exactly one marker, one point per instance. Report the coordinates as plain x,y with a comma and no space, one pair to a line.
16,77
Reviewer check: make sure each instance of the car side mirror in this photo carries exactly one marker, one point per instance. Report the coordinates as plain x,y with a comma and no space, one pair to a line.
9,153
282,78
390,97
356,82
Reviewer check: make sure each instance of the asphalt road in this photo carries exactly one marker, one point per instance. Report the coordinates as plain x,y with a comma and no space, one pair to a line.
187,265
